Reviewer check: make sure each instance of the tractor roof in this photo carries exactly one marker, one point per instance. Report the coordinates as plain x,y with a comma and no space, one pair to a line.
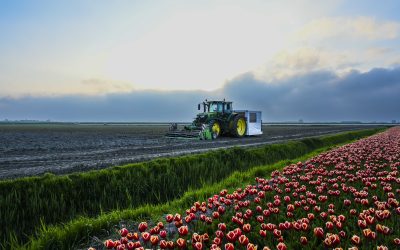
208,101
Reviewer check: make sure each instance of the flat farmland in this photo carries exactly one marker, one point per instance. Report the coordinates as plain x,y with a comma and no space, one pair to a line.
34,149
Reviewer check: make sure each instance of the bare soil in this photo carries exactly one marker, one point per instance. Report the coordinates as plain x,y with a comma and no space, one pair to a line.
34,149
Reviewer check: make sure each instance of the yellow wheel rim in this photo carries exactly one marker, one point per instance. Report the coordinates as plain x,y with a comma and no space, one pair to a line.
216,128
241,127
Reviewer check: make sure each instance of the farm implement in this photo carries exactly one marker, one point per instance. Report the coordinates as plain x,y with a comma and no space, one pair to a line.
219,119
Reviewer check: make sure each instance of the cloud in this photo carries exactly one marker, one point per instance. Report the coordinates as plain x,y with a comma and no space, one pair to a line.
322,96
97,85
313,96
288,63
345,27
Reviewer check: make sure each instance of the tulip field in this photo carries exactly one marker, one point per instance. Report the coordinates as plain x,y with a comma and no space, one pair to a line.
346,198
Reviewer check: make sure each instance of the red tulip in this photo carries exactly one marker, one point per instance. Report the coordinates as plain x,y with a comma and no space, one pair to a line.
169,218
263,233
154,230
270,226
243,240
196,237
221,210
305,226
142,226
231,236
303,240
329,225
123,240
290,207
215,215
170,244
121,247
251,247
267,213
246,228
117,243
163,244
277,233
177,217
281,246
355,239
181,243
135,236
188,219
205,237
215,247
370,220
109,244
163,233
319,232
130,236
237,232
362,223
183,230
229,246
123,232
198,245
146,236
222,226
154,240
217,241
178,223
130,245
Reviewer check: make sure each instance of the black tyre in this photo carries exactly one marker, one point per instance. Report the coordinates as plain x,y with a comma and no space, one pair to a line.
239,127
215,127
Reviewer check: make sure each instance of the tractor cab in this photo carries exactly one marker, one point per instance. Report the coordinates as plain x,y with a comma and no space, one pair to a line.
216,107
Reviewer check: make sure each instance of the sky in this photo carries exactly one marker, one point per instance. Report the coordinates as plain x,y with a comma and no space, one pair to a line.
86,60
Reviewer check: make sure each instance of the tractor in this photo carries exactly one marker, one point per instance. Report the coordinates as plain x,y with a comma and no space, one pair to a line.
216,119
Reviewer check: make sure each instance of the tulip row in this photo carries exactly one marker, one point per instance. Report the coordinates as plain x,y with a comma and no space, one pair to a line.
345,198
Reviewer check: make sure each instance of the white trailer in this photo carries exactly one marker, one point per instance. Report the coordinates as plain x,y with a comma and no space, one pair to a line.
253,121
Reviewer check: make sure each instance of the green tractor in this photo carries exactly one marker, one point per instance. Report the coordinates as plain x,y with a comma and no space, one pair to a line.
217,119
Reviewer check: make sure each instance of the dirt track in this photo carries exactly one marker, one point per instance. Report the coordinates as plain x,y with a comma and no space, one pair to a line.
27,150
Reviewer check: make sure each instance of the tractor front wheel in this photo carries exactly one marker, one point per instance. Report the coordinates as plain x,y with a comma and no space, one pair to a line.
239,126
215,129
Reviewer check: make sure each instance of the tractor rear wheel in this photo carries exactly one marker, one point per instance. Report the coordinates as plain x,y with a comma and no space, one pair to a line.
239,126
215,129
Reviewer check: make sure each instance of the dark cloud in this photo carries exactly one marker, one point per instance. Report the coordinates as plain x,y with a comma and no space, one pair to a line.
323,96
316,96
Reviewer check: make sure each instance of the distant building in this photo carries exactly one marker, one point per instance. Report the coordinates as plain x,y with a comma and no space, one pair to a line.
393,121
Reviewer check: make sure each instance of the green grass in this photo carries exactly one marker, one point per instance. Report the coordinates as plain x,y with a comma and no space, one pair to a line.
77,233
27,203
